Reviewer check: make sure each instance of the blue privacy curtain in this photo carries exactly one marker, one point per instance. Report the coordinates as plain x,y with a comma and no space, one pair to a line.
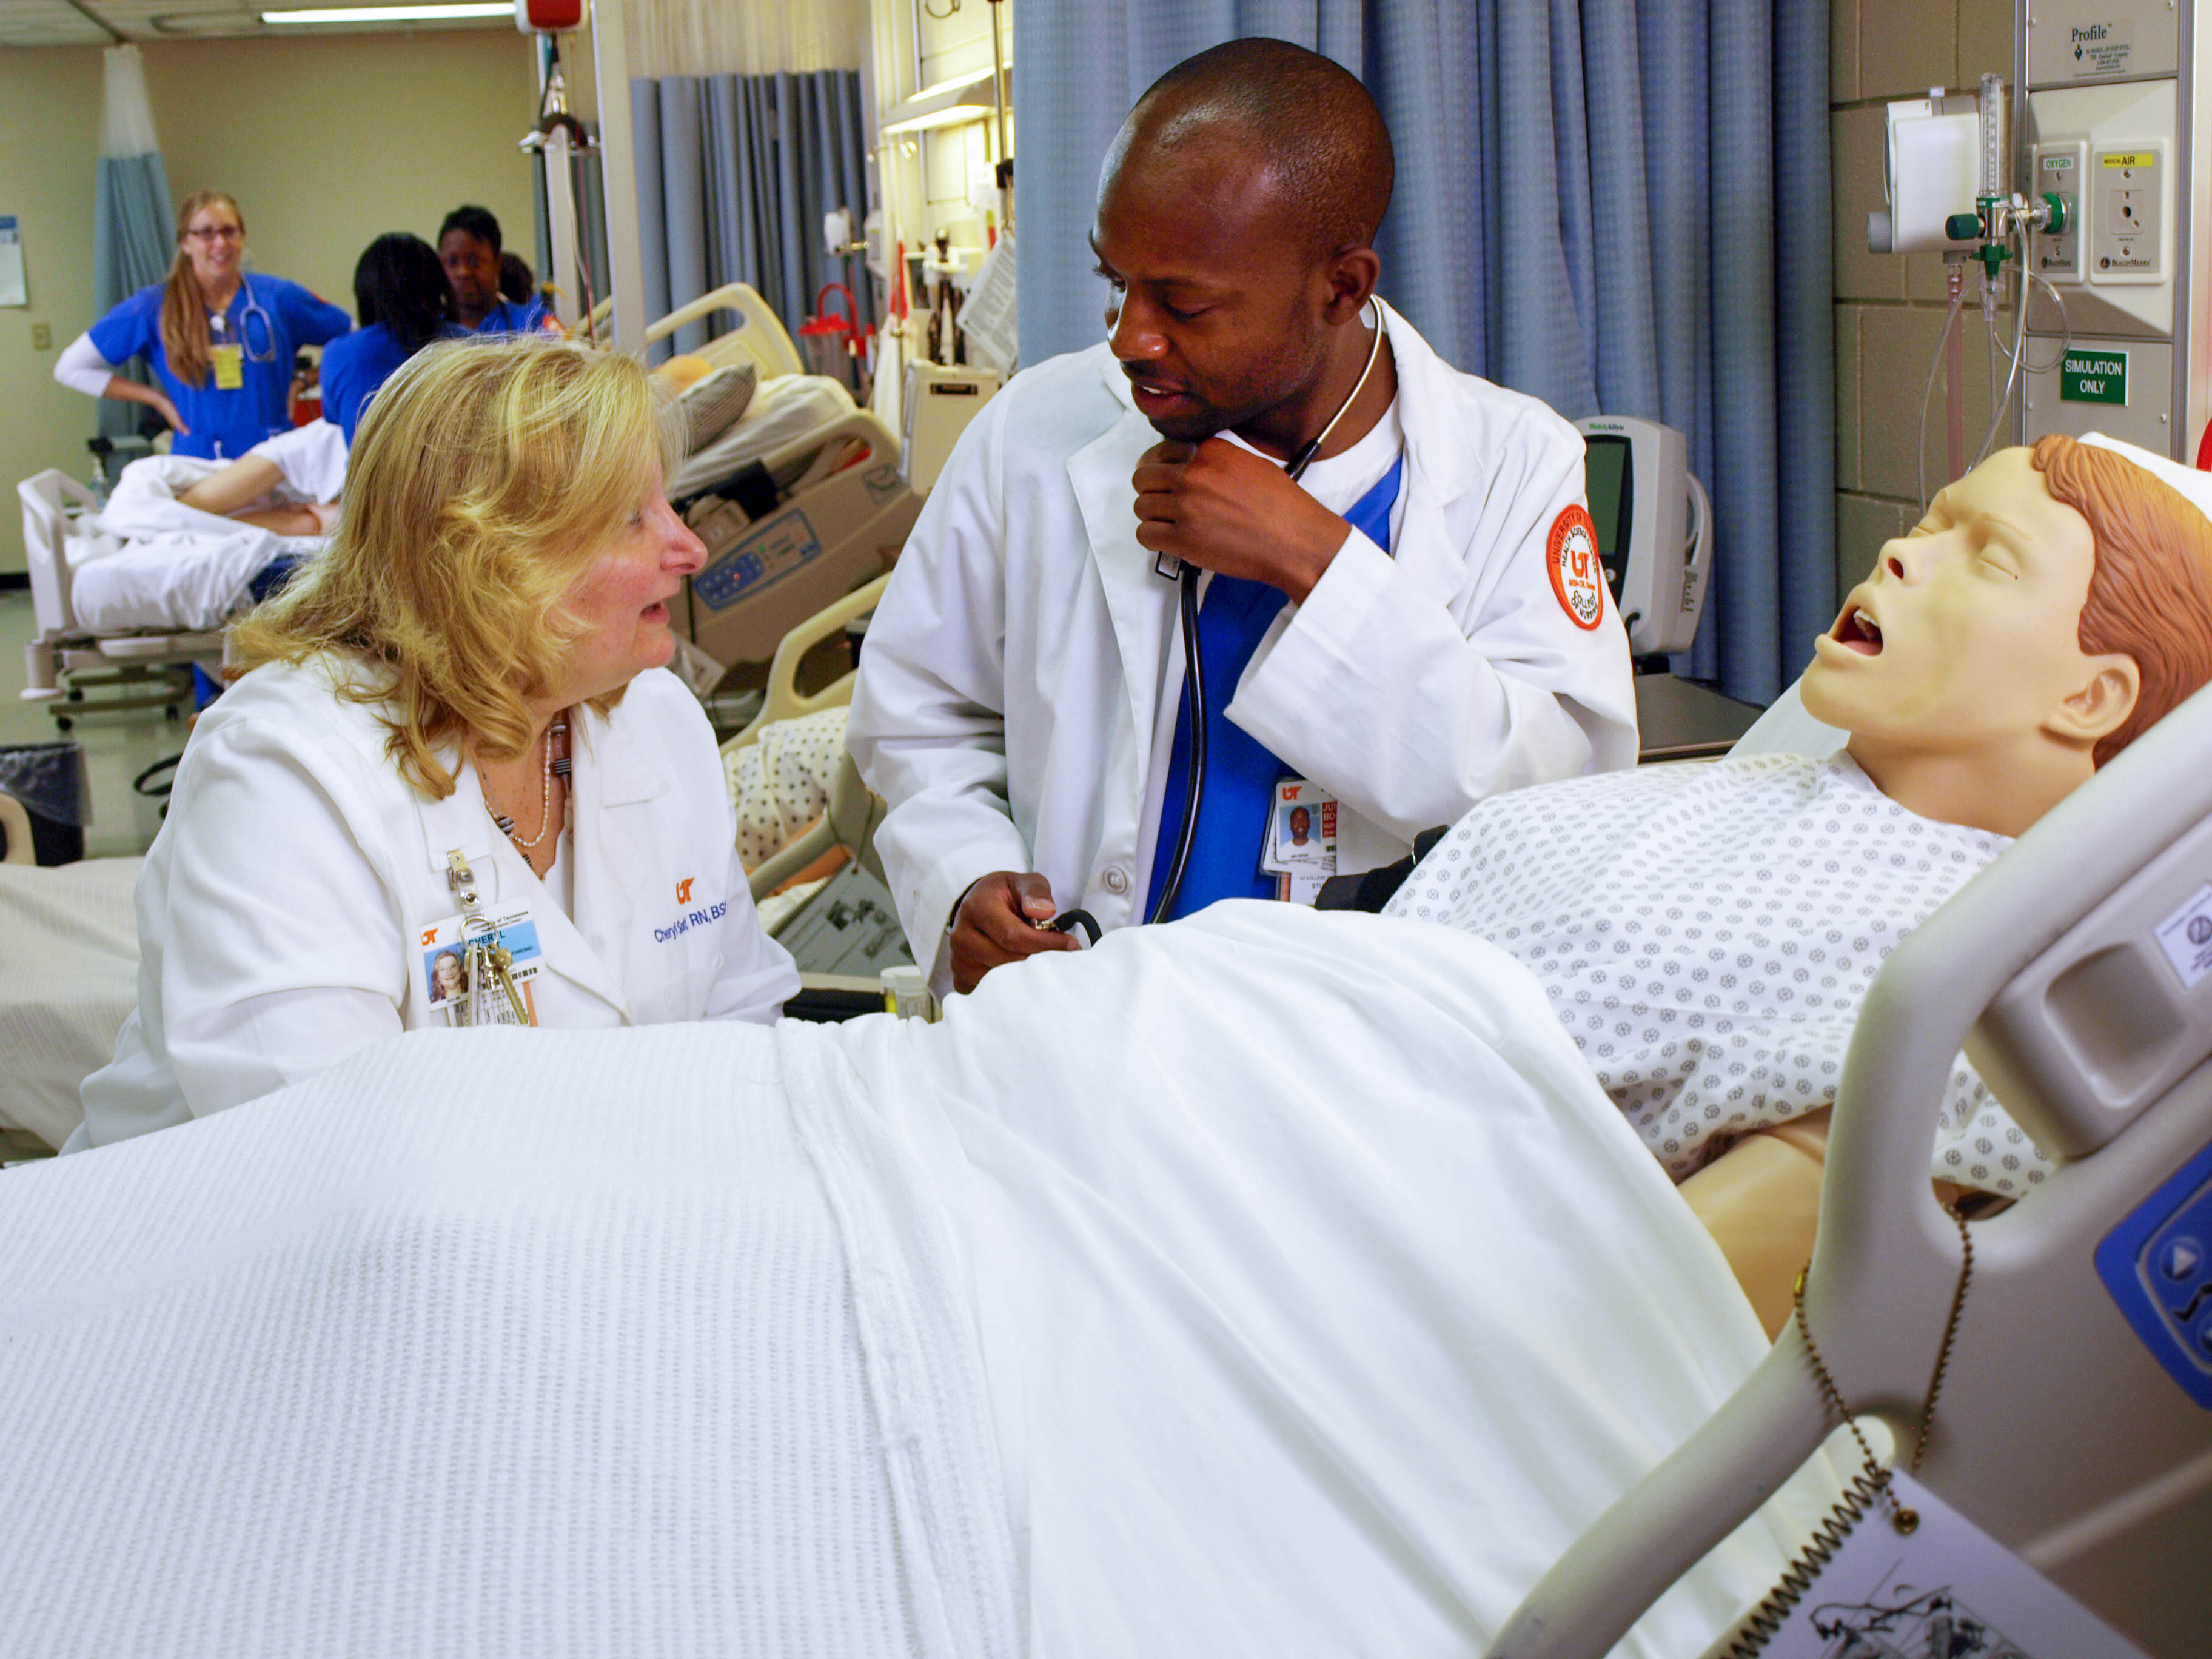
1620,209
735,174
133,224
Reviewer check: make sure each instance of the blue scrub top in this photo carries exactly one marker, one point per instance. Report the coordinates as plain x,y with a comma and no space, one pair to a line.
226,424
355,365
514,317
1241,772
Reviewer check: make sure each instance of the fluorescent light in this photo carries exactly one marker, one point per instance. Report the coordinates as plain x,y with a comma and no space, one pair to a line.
952,115
424,14
942,105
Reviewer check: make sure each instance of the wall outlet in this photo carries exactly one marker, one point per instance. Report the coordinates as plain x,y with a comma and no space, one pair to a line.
42,338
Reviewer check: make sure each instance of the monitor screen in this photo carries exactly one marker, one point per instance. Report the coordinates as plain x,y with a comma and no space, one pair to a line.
1611,482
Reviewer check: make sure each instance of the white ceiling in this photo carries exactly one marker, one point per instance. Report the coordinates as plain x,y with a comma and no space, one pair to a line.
62,23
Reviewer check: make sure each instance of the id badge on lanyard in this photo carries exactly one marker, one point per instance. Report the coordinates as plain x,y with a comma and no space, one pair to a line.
229,363
1298,848
476,967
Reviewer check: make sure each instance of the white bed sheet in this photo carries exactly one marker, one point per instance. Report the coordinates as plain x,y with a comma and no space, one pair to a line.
150,561
178,581
783,409
68,978
1272,1282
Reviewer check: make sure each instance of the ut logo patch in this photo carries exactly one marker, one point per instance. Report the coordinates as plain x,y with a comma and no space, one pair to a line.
683,890
429,936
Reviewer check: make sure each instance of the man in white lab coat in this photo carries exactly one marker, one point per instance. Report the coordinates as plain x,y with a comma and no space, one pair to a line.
1402,612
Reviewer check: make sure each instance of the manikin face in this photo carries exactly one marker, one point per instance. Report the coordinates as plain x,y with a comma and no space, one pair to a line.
214,244
1213,308
1967,634
471,271
622,599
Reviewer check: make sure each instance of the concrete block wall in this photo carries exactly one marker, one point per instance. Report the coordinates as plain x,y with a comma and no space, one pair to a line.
1889,308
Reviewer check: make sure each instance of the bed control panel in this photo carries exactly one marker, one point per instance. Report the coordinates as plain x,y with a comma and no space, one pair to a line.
2157,1264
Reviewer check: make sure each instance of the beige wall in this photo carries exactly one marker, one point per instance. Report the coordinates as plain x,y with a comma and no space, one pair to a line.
1889,310
49,127
326,142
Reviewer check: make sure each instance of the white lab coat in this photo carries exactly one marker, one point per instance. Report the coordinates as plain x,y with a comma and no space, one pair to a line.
281,909
1019,690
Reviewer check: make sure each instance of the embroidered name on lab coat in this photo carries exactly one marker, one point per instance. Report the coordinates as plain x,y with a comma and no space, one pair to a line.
705,916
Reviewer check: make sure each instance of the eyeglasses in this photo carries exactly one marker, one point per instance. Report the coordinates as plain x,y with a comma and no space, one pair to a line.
217,234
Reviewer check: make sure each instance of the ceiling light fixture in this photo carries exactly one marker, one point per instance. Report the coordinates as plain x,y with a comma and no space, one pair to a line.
425,14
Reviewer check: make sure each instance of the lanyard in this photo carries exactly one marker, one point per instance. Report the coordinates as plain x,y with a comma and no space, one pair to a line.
485,959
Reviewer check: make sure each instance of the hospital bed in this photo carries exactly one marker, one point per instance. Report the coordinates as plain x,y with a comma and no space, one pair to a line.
798,503
70,660
2074,1422
854,812
793,527
759,336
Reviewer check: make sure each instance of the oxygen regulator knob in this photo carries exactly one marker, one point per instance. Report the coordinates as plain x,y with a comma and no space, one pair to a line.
1963,226
2055,224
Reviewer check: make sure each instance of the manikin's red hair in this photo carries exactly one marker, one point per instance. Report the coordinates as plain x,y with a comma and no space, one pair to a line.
2150,595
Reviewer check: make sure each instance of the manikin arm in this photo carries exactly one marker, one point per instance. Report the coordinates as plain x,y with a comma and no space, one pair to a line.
1760,1200
228,494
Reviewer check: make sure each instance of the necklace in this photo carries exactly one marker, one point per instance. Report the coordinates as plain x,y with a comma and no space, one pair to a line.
558,729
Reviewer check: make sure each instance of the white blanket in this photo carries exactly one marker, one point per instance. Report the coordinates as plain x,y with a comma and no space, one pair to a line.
150,561
68,978
1272,1283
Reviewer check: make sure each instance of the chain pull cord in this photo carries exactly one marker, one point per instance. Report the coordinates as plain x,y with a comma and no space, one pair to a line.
1904,1519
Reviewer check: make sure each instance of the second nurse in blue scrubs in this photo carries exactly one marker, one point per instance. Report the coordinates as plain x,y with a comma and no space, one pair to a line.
220,339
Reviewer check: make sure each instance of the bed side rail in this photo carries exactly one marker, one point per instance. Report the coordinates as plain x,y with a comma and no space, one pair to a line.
2061,1434
761,331
46,498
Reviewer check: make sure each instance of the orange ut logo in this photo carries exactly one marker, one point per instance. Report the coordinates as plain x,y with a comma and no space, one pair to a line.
683,889
429,936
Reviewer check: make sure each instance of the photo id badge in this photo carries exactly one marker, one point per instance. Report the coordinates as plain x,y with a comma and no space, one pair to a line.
1300,851
444,951
229,363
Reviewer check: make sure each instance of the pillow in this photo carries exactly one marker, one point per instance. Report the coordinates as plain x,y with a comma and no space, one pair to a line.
713,405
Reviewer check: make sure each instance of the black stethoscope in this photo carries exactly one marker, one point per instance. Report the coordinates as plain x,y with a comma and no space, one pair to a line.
1187,576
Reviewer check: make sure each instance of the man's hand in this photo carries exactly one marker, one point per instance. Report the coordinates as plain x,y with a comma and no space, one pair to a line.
1236,513
996,923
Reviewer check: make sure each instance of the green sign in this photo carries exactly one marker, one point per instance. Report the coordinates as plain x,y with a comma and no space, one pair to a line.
2093,377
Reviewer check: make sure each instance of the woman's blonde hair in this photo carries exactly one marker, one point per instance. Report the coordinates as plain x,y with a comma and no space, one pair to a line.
485,477
184,307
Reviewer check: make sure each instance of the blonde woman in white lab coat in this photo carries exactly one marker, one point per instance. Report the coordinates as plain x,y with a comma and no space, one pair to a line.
458,724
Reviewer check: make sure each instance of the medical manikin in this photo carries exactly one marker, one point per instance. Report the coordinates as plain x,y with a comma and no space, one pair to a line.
1275,1281
1707,934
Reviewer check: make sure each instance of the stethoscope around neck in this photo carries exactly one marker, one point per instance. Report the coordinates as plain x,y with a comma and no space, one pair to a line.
218,323
1187,575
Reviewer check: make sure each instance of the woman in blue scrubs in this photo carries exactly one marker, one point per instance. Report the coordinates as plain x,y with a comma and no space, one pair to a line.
220,339
469,243
401,297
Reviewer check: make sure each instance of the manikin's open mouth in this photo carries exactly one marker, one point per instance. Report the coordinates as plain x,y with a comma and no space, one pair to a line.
1859,632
